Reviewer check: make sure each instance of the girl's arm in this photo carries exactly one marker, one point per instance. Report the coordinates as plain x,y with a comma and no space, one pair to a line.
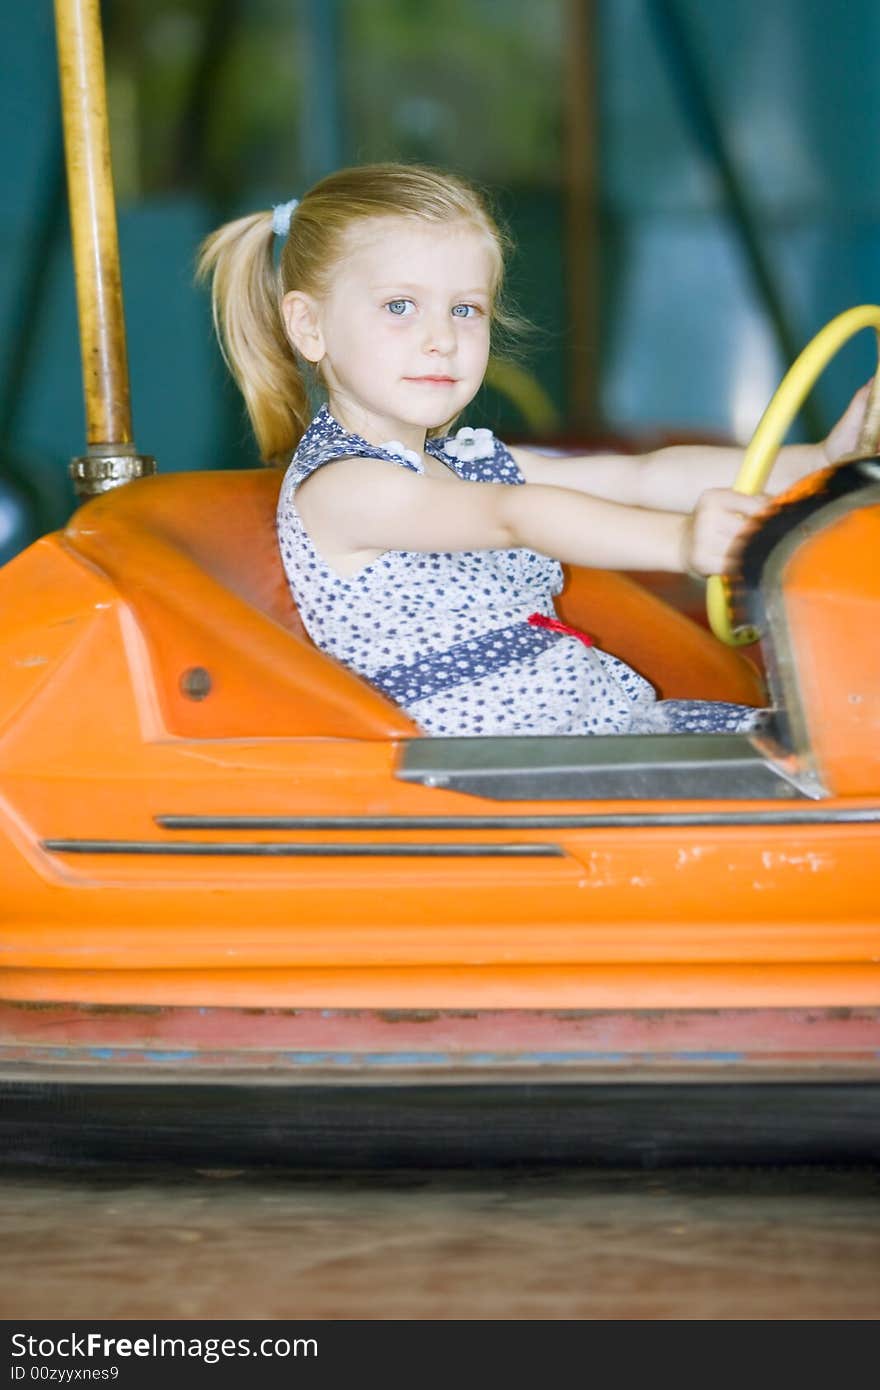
672,479
356,508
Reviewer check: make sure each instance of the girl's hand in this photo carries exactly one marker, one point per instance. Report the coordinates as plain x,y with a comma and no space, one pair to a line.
716,530
844,438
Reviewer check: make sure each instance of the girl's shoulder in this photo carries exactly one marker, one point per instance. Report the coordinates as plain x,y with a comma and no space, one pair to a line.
476,455
326,440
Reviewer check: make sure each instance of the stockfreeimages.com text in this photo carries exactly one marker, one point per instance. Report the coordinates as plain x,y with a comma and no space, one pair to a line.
209,1349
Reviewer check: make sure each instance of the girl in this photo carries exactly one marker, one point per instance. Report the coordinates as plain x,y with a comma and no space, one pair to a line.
425,561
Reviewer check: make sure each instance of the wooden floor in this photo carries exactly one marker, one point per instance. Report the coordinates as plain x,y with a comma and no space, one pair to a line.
724,1243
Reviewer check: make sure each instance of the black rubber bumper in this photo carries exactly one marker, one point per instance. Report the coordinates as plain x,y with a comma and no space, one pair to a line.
376,1126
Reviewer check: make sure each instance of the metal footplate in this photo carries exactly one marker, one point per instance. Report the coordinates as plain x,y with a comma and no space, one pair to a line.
633,767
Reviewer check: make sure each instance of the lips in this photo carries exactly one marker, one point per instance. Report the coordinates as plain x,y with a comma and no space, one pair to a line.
432,380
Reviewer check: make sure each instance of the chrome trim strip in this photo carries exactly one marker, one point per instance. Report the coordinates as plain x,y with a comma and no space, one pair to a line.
292,849
795,815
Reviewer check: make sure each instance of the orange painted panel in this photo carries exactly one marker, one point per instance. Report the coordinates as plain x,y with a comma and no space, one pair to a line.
100,740
831,591
505,987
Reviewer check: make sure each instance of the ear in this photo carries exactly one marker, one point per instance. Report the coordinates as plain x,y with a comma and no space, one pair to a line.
302,322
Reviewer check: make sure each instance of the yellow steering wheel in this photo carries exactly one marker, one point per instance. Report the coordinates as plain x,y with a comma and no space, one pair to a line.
772,429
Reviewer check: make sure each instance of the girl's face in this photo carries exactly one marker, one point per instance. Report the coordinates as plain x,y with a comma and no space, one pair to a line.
402,337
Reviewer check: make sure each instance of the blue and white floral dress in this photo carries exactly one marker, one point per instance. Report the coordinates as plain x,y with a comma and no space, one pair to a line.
447,636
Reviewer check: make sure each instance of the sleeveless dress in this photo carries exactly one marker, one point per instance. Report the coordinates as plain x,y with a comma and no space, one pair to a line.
447,637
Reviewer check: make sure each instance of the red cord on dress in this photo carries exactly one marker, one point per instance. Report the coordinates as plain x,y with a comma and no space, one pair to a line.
539,620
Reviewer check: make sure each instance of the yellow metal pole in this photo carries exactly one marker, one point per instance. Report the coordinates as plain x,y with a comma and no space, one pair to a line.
111,458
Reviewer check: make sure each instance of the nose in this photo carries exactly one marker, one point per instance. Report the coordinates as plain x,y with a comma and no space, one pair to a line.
439,333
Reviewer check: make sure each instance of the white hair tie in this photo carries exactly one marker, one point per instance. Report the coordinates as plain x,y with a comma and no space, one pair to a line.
281,215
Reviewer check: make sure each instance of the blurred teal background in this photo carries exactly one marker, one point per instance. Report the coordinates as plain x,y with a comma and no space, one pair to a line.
692,185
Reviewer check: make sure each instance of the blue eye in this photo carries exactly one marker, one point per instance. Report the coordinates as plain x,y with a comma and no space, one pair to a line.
399,307
464,311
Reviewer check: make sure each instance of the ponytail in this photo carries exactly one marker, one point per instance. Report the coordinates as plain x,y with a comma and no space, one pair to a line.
245,295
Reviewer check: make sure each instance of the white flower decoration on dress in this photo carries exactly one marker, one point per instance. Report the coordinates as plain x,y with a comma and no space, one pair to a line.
470,444
394,446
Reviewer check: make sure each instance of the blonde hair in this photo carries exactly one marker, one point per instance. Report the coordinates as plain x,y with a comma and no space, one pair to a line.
246,288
